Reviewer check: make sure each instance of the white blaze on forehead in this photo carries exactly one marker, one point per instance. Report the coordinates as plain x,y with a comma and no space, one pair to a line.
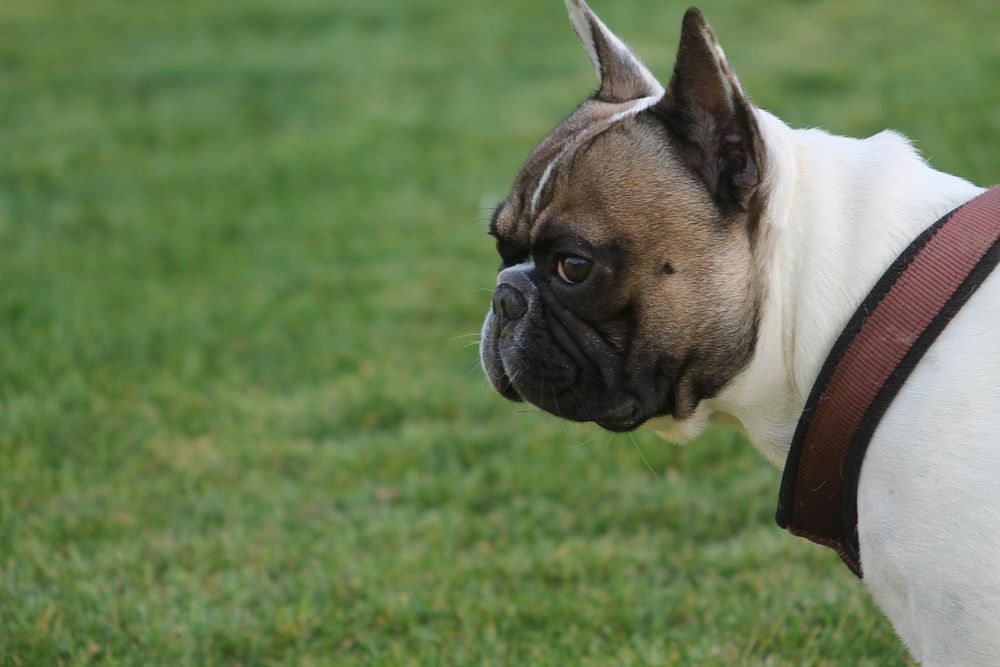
640,104
546,175
635,107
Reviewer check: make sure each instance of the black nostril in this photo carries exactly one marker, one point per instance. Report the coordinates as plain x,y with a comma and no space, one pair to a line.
509,302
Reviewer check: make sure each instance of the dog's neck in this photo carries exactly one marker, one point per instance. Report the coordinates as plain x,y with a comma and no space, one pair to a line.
839,210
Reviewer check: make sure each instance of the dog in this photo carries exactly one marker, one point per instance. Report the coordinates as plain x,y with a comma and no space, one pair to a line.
676,255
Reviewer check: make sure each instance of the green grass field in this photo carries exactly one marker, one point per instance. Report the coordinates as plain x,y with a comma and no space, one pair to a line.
242,251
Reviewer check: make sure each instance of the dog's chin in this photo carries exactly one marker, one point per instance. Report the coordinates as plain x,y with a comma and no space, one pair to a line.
621,417
630,414
618,415
620,425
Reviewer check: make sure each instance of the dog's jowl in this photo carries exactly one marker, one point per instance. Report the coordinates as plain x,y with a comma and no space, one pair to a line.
674,253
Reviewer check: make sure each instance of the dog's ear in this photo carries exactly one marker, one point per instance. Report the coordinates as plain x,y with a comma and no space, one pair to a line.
708,113
622,76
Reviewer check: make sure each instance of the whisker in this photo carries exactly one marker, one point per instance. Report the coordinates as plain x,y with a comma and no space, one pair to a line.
581,444
643,456
555,398
582,403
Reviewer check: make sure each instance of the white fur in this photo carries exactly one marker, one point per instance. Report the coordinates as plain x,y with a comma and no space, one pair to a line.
638,105
630,110
543,180
839,211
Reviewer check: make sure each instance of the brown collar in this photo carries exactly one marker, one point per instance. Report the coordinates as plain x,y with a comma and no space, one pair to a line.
881,344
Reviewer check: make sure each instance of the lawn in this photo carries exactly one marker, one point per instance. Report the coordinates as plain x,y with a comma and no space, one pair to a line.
243,255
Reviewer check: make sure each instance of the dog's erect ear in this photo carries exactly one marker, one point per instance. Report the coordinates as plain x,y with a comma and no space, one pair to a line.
623,77
706,110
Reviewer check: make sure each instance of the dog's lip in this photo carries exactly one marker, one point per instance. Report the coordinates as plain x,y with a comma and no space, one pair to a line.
504,385
492,361
506,389
619,426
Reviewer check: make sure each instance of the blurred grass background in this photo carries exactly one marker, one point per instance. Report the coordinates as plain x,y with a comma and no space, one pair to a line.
241,246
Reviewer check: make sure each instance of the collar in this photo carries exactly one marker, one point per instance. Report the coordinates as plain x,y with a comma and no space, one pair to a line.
878,349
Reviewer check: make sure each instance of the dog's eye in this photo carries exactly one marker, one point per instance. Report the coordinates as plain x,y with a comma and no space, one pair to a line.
572,269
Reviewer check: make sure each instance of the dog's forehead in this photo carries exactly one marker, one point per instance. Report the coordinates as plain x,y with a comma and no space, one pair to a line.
516,215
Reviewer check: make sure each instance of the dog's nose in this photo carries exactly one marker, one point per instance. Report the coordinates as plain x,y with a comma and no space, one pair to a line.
508,302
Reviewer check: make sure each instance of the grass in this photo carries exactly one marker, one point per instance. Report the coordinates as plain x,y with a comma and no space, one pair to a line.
243,242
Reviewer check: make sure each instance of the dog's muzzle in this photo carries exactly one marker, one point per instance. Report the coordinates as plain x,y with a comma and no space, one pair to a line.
515,298
534,349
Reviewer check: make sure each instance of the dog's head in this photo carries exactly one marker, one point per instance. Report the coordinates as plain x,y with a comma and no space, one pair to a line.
627,288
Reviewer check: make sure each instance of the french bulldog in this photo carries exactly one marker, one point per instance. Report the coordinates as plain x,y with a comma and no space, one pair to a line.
673,255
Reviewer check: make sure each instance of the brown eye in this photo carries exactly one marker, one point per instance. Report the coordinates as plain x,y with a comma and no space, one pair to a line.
572,269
